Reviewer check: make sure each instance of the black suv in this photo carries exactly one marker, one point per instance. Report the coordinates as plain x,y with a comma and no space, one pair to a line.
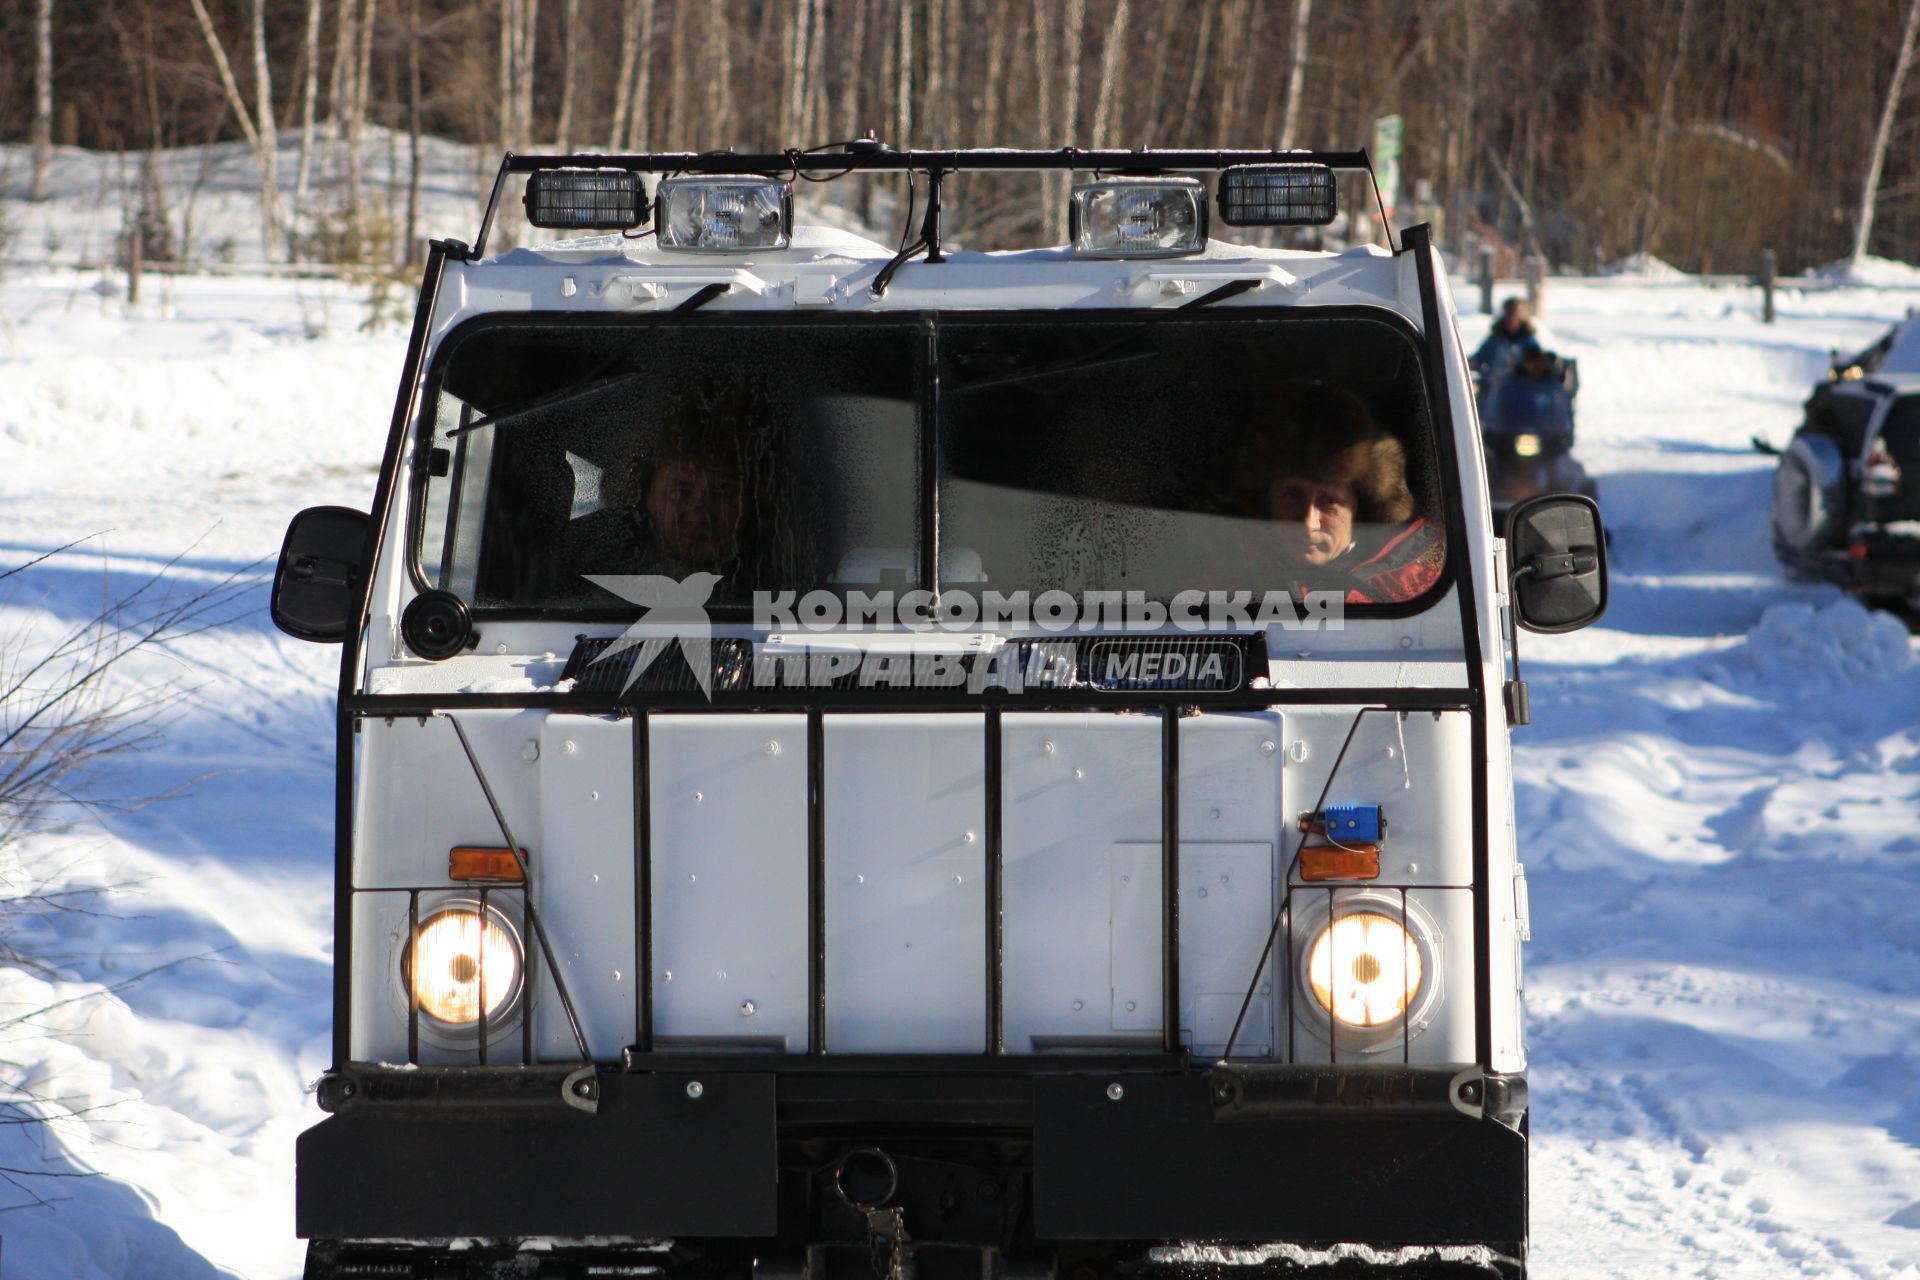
1846,496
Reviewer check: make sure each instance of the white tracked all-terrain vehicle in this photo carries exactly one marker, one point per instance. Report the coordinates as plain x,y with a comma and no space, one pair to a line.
928,764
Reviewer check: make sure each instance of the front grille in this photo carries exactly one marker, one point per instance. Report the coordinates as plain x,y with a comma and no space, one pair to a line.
731,660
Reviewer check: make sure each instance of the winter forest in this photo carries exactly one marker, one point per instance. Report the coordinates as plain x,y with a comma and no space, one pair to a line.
1700,131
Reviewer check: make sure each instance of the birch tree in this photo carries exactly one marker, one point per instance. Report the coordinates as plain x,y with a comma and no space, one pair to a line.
1106,107
42,95
1870,188
1296,73
260,135
569,74
309,102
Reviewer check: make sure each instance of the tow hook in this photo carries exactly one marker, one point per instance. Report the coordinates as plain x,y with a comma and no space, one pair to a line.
866,1180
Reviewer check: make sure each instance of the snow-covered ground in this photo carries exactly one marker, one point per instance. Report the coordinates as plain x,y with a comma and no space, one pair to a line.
1720,798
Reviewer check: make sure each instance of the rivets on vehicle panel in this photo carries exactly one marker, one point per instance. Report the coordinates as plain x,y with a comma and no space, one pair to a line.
1079,775
567,747
773,748
957,880
695,1089
531,751
1297,753
1046,748
593,795
1114,1091
1078,1005
967,837
698,797
1203,891
746,1008
1130,1008
1268,746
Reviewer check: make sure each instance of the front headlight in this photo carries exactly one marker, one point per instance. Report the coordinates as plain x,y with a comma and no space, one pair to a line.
1365,969
461,962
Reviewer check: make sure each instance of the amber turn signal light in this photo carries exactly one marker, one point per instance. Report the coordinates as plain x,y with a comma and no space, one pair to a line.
1332,862
469,863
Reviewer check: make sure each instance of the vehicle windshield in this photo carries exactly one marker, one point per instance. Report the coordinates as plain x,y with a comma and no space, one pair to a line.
1210,450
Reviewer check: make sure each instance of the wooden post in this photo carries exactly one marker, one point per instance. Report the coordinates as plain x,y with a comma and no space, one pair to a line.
1768,263
1535,269
1486,279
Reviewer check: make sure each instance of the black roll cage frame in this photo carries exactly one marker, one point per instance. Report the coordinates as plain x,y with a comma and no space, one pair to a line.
867,155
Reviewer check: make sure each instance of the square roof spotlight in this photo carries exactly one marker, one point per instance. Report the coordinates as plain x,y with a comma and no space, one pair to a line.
1277,195
585,199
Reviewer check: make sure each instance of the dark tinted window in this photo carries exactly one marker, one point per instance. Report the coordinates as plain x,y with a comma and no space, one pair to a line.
1174,454
776,456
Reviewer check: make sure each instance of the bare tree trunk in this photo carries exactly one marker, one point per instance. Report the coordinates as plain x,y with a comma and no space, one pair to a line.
617,137
523,68
270,218
1870,189
1662,127
1296,72
42,95
338,86
856,64
413,130
903,81
269,132
357,103
940,122
680,59
569,75
509,32
719,64
309,100
1106,106
814,121
1171,19
996,83
1202,47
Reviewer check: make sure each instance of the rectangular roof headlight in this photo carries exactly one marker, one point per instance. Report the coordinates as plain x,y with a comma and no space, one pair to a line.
1139,218
724,215
1277,195
586,199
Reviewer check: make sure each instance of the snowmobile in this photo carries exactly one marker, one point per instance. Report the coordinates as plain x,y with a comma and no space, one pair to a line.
833,780
1526,421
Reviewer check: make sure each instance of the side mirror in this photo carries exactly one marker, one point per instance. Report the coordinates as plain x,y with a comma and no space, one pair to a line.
1559,556
318,585
1763,445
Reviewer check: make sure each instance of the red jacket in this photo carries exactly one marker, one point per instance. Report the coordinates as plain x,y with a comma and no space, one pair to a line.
1403,566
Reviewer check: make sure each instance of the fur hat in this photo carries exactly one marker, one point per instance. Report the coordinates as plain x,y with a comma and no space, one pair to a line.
1328,435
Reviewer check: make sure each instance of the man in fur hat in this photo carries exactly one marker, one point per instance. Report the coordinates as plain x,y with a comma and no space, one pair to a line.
1335,483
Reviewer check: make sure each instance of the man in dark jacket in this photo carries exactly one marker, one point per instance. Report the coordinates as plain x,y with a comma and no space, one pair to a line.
1512,333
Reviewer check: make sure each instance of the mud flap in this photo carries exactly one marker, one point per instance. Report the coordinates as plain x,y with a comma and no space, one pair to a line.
659,1159
1157,1164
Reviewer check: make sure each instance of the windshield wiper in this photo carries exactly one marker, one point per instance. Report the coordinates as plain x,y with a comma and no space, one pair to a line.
578,391
593,384
1106,355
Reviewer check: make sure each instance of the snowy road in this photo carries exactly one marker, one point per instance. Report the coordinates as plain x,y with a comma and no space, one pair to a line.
1719,803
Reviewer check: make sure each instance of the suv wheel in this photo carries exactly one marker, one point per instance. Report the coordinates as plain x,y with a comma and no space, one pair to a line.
1809,495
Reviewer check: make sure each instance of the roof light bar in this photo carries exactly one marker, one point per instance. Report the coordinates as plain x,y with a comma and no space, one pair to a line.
1139,218
1277,195
586,199
724,214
